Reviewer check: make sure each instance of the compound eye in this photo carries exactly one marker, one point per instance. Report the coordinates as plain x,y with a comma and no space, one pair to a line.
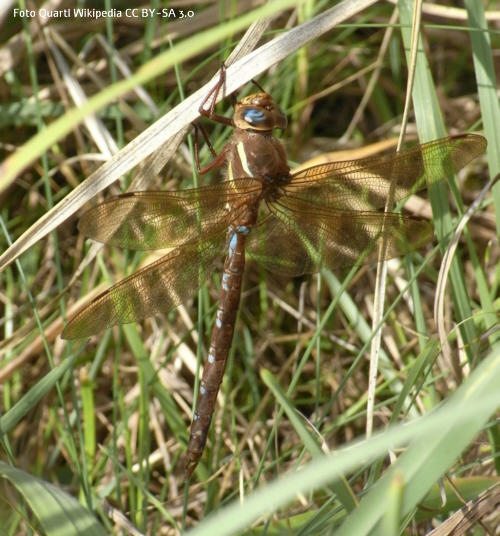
253,116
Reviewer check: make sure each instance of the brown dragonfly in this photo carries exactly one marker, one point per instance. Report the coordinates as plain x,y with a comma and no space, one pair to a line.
293,223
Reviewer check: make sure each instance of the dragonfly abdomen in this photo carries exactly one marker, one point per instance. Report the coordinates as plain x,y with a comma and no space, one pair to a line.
220,343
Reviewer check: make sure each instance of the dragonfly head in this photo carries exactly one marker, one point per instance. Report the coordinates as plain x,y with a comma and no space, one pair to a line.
259,112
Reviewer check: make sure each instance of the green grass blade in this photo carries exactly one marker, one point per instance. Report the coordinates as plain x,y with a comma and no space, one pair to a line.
431,126
438,440
33,396
59,514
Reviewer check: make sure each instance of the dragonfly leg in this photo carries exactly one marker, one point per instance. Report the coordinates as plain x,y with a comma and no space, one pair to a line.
213,94
218,160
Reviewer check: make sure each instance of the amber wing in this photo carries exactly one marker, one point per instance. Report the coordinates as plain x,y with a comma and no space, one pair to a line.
195,220
330,215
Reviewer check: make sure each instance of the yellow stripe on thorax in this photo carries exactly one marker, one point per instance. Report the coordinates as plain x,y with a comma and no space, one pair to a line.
240,147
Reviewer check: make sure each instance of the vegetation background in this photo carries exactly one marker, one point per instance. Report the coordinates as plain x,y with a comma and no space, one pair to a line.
105,421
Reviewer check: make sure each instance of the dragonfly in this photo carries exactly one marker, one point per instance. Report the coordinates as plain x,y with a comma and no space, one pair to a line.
293,223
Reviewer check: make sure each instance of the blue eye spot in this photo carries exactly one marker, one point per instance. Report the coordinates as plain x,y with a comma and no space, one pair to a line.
252,115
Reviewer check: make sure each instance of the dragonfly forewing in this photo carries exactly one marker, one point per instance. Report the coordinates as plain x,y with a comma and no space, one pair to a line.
366,184
156,220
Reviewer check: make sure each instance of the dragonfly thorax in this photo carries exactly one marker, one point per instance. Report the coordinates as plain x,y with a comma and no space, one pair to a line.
258,155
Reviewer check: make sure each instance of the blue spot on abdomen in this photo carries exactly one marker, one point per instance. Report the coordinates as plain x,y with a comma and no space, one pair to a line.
232,243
